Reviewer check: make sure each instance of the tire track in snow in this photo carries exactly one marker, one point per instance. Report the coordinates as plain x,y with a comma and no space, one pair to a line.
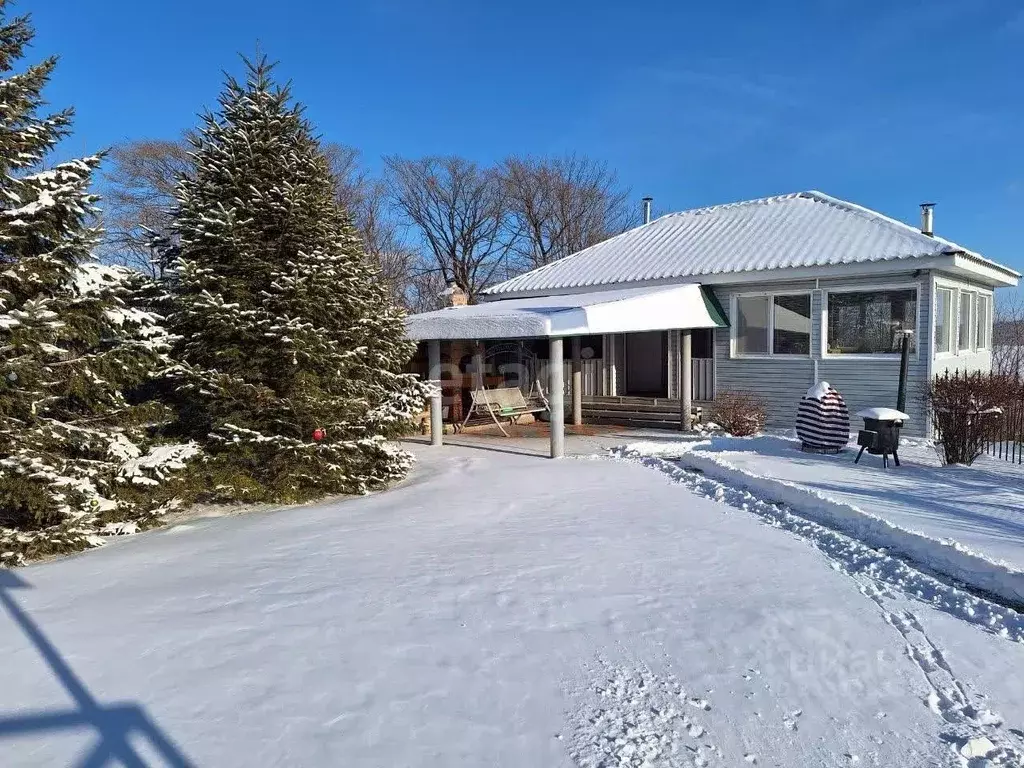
879,576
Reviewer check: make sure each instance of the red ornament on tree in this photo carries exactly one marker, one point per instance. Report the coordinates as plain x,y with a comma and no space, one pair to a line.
319,434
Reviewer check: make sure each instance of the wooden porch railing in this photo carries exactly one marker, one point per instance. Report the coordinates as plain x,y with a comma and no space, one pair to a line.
703,377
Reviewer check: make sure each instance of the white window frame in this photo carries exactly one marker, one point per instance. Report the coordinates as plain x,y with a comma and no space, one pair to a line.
958,288
771,354
988,322
952,321
869,288
972,319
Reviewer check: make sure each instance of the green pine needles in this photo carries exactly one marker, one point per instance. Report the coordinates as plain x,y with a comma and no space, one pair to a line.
285,326
72,343
121,397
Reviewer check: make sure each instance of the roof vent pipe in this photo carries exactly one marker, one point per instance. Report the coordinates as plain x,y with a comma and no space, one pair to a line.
647,209
928,219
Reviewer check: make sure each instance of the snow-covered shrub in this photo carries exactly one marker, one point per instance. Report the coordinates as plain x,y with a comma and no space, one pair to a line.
739,413
970,409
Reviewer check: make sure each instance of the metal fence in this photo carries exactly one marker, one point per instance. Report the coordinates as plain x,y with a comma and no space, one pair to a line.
985,410
1006,440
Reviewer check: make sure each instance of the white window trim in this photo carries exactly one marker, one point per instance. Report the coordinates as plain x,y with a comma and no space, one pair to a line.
958,288
952,320
989,321
771,354
868,288
972,320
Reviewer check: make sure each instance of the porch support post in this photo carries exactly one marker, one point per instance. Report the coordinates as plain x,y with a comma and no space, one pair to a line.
478,365
556,398
610,352
434,373
685,380
577,381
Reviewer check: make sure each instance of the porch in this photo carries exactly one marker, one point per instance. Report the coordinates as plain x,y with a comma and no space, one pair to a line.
640,412
635,344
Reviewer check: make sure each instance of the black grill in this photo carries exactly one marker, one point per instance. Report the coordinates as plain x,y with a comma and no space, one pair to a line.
880,437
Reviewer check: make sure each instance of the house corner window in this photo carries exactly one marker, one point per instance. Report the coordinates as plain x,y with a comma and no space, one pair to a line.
983,334
963,340
871,322
943,320
768,325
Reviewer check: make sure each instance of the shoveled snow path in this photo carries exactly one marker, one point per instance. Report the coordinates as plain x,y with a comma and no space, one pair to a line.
887,582
497,610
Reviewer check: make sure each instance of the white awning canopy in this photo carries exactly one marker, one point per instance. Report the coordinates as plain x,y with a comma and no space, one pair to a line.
580,314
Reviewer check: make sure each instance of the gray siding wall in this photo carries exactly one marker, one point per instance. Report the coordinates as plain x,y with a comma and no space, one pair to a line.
863,382
780,381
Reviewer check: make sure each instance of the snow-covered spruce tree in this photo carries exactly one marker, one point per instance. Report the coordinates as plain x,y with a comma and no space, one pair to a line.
71,343
285,327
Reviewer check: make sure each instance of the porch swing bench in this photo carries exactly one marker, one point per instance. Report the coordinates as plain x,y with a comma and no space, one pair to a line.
503,403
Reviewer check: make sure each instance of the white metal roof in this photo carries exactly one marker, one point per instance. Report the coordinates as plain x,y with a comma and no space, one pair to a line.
617,311
800,230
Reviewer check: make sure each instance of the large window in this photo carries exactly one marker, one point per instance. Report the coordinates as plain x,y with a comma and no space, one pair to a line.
963,339
752,325
791,325
773,325
983,331
871,322
943,320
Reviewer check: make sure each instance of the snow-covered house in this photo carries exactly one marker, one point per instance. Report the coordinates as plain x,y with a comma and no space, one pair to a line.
775,294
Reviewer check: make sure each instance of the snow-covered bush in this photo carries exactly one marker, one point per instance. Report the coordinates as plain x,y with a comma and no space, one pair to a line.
739,413
970,409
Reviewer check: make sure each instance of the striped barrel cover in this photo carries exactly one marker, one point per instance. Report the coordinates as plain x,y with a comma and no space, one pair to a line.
822,420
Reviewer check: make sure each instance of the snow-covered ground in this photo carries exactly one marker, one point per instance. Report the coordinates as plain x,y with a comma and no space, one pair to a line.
965,522
503,609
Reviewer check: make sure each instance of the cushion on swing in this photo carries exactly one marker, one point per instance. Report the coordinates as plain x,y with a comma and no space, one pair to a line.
504,401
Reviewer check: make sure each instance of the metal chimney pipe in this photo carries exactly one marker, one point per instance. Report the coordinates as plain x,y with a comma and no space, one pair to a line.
647,209
928,219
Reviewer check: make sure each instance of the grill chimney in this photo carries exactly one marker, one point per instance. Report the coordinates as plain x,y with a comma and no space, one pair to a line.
928,219
647,209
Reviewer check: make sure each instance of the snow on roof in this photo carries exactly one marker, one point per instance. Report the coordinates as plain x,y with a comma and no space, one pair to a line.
803,229
618,311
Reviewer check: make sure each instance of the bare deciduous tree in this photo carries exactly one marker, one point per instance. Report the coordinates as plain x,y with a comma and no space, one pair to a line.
563,205
460,211
366,199
140,201
140,196
1008,335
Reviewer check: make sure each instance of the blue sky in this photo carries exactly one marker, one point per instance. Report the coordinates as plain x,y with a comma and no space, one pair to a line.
883,103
